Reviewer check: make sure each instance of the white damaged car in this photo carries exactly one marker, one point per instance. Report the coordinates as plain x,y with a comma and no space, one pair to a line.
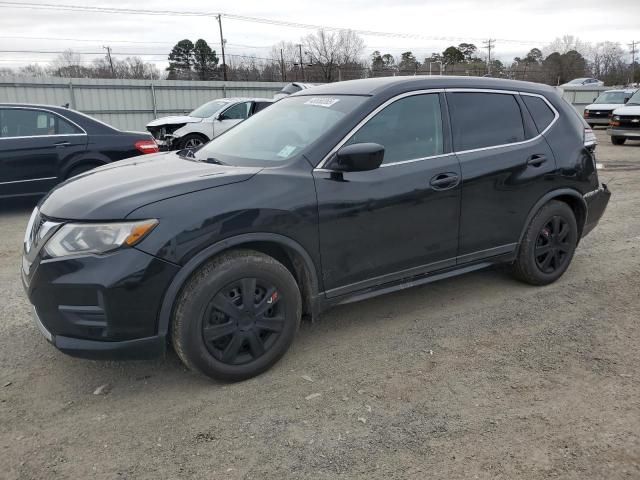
204,123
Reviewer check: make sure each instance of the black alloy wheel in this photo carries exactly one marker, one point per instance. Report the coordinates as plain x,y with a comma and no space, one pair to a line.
243,321
236,316
548,244
552,248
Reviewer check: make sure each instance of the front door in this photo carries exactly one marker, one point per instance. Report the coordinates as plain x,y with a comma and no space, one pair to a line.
401,219
231,117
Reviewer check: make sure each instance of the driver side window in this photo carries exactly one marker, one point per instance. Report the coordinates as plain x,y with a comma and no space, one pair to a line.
239,111
408,129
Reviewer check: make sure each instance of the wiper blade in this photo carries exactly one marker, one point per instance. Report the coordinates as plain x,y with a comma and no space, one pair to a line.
215,161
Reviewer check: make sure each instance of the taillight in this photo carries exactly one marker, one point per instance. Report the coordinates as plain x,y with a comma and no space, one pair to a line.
147,146
590,139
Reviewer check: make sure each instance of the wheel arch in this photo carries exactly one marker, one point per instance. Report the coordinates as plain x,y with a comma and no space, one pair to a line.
93,158
571,197
284,249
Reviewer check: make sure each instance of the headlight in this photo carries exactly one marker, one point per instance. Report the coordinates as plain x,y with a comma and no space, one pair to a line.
76,238
616,117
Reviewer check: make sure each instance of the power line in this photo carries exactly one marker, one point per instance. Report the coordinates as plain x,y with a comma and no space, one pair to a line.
243,18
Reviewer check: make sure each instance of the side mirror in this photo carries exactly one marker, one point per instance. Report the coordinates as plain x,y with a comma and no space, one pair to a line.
359,157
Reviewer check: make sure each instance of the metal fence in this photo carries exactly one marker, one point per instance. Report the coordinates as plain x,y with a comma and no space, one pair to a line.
127,104
131,104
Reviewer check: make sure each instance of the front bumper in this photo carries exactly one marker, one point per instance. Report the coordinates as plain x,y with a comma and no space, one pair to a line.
597,202
100,307
624,132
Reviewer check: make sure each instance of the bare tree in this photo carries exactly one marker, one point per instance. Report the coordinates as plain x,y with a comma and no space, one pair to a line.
68,64
331,50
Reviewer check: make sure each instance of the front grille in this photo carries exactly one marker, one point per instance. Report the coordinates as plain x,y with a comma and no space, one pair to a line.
599,113
628,121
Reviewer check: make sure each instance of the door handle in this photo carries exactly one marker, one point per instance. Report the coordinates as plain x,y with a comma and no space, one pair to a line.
536,160
63,143
444,181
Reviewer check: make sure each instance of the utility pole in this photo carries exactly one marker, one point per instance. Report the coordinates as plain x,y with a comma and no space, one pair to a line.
113,71
282,67
489,45
301,64
224,60
633,45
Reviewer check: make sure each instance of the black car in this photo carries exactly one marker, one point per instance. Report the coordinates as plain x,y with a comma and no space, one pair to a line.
42,145
332,195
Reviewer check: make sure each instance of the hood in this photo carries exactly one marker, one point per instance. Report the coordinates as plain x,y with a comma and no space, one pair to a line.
174,120
603,106
627,110
113,191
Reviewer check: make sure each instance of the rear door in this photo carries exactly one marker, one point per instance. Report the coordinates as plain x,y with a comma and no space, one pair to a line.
400,220
33,145
504,163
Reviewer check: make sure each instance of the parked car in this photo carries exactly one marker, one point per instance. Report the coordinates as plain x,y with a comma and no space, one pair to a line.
625,121
204,123
291,88
584,82
42,145
333,195
599,112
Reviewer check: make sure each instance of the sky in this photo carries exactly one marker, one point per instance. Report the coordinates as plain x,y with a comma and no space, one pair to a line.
517,25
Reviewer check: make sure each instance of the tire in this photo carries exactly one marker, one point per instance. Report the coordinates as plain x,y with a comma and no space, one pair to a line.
212,303
618,140
192,141
548,245
85,167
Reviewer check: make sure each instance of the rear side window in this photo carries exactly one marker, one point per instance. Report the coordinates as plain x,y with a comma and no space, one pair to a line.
540,111
18,122
484,120
408,129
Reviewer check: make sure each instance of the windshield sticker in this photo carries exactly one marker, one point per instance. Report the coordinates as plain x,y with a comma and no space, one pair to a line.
322,101
286,151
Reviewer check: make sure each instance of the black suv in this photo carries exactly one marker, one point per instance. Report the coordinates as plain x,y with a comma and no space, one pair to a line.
334,194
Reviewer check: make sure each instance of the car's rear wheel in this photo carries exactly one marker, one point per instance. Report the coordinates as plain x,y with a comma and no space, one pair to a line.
548,245
192,141
618,140
236,316
85,167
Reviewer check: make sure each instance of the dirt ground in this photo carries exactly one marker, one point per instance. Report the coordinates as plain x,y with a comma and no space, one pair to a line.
473,377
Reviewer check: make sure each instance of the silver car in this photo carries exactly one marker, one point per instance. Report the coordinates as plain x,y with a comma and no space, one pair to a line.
204,123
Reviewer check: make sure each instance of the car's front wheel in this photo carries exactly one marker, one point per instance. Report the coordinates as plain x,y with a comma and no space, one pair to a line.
548,245
618,140
192,141
236,316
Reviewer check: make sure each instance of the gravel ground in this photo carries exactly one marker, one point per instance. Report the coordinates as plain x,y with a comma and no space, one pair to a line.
474,377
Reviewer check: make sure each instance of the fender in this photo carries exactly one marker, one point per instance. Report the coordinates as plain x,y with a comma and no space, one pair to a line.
166,309
544,199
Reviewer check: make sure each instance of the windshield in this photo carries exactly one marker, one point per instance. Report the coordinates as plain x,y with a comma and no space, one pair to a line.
635,99
208,109
280,131
612,97
577,81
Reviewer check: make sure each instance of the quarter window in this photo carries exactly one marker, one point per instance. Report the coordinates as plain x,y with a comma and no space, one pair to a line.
484,120
408,129
540,111
15,122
